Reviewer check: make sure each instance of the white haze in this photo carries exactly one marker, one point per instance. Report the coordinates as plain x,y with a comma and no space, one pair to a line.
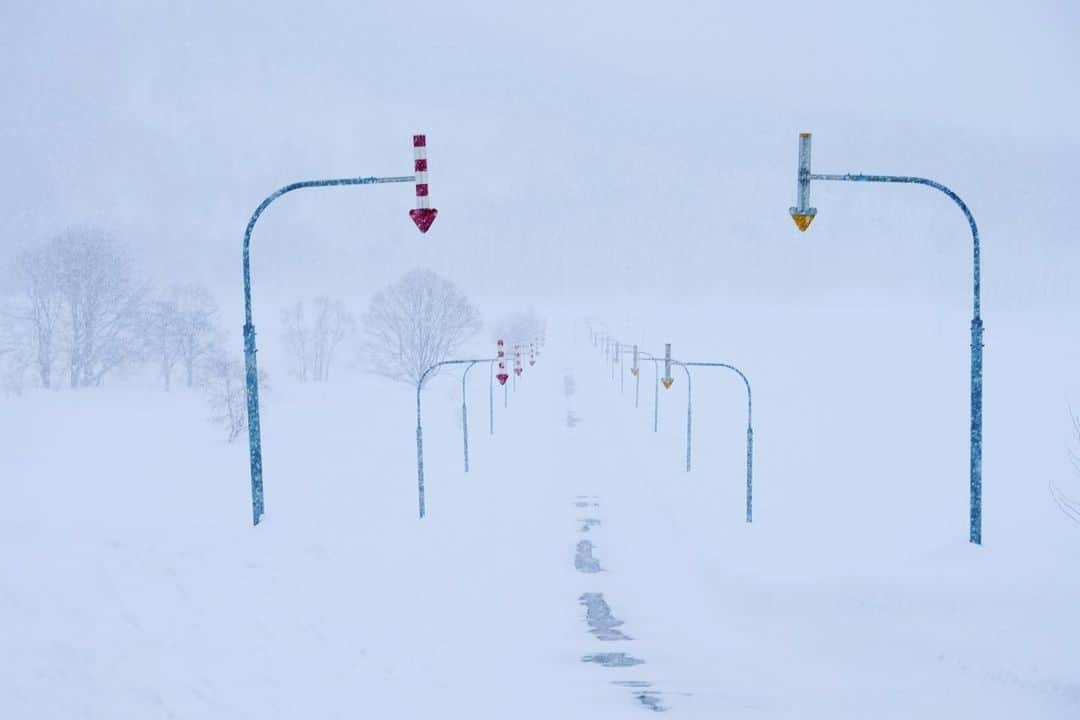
629,163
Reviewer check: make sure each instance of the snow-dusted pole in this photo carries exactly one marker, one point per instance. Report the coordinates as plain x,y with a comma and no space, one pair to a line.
689,409
465,412
420,427
656,389
749,432
251,372
491,398
656,394
622,369
636,372
515,373
667,379
656,385
803,215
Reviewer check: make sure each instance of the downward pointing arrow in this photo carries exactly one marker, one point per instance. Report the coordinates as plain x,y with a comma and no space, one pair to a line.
423,217
803,218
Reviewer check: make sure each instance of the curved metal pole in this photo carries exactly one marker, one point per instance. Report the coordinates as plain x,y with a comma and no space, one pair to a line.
749,434
251,372
465,413
975,467
656,387
622,372
689,403
419,426
656,395
637,388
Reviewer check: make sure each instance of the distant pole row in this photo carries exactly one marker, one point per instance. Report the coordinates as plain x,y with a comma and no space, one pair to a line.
613,352
499,362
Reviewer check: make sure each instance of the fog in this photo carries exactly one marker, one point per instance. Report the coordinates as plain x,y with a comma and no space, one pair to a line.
574,151
603,172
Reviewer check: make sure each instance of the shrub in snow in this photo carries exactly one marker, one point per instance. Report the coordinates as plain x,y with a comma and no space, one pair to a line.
224,383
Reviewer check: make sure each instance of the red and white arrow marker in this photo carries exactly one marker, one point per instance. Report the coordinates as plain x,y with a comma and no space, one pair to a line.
424,214
502,376
517,361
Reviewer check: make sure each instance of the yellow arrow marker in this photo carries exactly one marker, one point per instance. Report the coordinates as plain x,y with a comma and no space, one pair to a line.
667,382
802,221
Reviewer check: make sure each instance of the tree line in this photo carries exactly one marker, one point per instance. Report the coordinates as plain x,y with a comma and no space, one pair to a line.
79,314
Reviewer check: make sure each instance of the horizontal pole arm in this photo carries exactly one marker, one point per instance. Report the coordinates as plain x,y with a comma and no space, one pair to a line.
912,180
746,382
333,182
424,375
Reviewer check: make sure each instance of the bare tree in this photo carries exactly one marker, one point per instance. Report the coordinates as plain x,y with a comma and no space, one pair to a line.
101,302
313,346
333,324
34,320
414,323
196,331
76,297
295,333
162,322
180,329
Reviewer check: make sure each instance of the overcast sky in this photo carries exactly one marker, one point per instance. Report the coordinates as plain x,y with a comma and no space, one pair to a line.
574,147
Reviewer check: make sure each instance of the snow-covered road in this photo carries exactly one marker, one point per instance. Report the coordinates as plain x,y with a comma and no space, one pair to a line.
576,572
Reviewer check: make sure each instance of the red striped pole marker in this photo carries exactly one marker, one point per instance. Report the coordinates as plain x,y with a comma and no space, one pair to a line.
424,214
502,376
517,360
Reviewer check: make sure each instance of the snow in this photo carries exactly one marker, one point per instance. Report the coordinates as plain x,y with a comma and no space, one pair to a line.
627,163
134,585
